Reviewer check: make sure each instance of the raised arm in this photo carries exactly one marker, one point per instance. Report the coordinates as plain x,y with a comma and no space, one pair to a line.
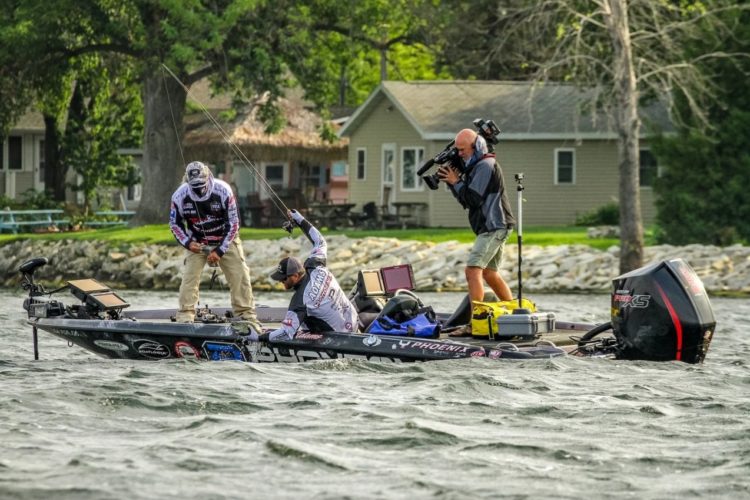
319,251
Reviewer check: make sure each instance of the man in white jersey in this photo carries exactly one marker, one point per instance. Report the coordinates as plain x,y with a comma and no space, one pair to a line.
318,302
203,216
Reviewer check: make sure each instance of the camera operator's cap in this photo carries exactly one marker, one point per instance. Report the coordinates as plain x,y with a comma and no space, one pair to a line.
287,267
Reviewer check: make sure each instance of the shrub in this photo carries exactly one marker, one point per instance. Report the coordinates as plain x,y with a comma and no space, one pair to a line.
606,215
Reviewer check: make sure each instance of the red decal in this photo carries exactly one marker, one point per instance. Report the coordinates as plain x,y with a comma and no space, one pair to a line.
675,320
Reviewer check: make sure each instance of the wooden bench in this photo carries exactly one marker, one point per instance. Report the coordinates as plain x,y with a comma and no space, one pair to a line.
110,218
17,221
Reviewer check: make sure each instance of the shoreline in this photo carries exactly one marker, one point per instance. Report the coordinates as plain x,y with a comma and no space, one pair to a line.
438,267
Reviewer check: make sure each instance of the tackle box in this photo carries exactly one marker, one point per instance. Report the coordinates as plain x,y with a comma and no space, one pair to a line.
524,325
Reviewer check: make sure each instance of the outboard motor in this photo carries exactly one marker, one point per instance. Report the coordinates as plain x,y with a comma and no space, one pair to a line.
661,313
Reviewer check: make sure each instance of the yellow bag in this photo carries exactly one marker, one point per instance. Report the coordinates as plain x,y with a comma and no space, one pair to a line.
484,315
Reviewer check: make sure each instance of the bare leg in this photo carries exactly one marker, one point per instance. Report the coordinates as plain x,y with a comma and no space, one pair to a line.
497,283
474,281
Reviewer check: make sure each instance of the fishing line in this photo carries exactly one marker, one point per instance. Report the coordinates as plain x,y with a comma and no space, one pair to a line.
273,196
182,154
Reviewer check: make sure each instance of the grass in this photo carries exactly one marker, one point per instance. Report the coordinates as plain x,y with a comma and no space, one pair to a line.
160,234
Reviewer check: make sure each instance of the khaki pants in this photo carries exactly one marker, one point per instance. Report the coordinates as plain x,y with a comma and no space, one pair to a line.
237,273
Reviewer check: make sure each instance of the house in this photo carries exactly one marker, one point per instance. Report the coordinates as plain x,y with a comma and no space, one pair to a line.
22,158
568,157
296,163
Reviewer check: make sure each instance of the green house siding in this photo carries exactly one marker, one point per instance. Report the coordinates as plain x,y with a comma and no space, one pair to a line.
595,176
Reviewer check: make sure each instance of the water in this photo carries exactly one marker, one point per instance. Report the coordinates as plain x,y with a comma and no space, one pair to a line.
77,426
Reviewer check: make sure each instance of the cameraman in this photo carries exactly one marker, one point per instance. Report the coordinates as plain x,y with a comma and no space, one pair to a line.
479,187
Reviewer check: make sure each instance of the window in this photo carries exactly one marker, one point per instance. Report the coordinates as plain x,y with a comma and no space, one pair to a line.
565,166
411,159
275,176
647,168
361,160
40,177
338,169
15,156
389,160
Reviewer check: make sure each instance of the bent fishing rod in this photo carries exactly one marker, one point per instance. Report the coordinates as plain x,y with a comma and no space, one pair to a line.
249,165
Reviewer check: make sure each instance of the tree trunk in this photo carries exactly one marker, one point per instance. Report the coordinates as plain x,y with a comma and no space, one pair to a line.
163,164
628,127
54,169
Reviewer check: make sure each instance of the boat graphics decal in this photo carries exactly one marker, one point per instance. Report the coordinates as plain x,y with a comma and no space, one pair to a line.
64,332
220,351
268,354
371,341
151,349
436,347
624,298
111,345
184,349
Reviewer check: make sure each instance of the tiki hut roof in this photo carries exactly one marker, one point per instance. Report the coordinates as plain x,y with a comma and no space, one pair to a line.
299,140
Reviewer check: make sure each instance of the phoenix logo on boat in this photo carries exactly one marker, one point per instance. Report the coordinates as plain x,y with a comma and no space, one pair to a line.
432,346
634,301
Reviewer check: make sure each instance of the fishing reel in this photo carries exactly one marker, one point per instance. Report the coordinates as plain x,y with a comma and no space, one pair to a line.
288,226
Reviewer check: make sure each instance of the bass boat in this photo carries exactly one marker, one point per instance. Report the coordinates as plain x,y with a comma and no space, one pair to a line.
659,313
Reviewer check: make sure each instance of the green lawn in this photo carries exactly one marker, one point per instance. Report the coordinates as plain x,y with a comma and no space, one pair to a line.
532,235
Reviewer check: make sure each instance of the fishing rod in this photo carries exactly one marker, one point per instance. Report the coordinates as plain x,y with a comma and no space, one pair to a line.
273,196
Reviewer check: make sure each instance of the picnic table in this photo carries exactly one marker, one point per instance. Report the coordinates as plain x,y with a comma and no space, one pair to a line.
17,221
108,218
409,213
330,215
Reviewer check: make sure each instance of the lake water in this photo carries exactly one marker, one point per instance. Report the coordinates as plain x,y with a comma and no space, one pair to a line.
76,426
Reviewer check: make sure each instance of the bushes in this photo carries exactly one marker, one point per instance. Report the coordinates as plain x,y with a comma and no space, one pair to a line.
606,215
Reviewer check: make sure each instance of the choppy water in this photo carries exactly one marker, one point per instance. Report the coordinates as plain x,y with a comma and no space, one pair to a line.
73,425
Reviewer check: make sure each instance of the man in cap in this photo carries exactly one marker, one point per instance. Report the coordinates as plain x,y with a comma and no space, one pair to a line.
318,302
203,218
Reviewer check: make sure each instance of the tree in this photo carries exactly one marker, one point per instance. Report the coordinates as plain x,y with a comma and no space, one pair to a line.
702,194
625,53
105,117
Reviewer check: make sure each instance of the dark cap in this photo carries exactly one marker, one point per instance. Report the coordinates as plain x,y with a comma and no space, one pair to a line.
287,267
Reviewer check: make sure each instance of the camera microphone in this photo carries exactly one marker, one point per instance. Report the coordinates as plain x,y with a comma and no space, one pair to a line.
424,168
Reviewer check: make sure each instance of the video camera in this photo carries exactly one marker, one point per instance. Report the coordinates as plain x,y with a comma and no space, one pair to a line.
449,155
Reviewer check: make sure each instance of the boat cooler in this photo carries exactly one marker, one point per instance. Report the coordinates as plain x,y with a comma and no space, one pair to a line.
524,325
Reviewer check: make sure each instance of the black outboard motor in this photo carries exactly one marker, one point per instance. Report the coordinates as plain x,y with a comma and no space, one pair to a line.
661,313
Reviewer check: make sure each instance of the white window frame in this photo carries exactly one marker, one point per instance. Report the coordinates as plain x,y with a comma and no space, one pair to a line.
418,158
392,148
364,164
557,166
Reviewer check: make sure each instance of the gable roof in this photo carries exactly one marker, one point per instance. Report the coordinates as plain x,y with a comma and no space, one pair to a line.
522,110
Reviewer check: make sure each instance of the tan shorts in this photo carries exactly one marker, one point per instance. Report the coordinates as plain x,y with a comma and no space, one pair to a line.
487,251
